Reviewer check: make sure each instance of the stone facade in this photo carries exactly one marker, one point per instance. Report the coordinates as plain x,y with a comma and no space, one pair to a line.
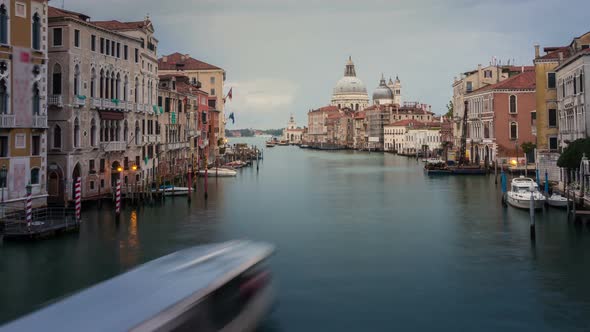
23,101
103,116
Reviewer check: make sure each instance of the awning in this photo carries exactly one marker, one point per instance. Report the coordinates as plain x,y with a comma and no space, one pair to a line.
110,115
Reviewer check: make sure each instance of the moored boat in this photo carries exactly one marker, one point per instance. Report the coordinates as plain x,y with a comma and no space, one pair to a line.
556,200
170,190
219,172
437,167
519,195
270,144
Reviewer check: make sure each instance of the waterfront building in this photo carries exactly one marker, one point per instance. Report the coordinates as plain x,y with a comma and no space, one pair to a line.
573,96
23,101
377,117
423,138
360,139
350,91
317,126
102,95
212,79
473,80
292,133
395,133
500,118
411,111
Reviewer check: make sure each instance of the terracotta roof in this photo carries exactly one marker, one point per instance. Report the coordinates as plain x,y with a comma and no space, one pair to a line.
334,115
177,61
553,53
327,109
119,26
359,115
523,81
56,12
407,122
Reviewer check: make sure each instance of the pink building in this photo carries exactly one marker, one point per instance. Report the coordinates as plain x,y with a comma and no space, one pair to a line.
500,118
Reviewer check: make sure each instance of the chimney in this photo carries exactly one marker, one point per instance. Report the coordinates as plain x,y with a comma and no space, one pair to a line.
522,69
537,51
165,59
560,56
479,67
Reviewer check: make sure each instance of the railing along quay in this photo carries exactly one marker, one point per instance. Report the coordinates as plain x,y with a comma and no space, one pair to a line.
47,221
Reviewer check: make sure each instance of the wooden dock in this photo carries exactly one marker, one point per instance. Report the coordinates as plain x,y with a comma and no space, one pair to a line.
46,222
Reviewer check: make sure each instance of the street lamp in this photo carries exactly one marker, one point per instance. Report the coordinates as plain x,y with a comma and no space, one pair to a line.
3,173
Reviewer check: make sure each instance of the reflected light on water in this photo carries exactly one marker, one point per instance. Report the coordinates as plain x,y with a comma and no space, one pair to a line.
129,243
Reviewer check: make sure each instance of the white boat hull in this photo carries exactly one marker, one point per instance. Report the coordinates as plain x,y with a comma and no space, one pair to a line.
222,172
524,203
176,191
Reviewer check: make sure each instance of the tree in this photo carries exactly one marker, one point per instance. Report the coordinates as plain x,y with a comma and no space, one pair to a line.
450,108
528,148
572,155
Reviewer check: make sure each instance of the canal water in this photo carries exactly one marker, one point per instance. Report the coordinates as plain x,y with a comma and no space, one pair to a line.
366,242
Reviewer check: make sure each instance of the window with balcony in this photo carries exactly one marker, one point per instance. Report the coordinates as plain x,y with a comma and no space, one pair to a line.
3,25
76,38
513,130
57,37
35,175
36,32
36,100
551,81
552,117
3,97
56,79
36,145
76,80
512,102
137,133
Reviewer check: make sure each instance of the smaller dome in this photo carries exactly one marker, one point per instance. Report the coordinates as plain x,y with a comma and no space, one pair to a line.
382,92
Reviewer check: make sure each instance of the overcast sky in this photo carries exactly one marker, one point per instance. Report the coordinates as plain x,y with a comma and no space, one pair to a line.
284,57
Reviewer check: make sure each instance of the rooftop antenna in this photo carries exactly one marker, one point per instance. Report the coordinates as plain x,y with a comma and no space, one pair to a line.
63,4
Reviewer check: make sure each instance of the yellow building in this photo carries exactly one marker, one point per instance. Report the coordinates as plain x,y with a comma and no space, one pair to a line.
23,100
546,96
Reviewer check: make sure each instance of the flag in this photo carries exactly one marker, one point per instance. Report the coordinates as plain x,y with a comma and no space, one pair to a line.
229,94
231,116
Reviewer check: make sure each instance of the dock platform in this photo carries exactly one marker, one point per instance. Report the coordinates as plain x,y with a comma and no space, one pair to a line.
46,222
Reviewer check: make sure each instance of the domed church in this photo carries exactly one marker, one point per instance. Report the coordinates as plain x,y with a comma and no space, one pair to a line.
383,94
350,91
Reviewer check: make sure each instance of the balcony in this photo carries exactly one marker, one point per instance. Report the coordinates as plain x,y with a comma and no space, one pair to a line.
39,121
6,120
95,102
107,103
55,100
194,133
178,145
115,146
80,101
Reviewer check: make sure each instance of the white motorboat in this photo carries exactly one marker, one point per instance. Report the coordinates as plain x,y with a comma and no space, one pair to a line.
557,201
219,172
519,195
173,190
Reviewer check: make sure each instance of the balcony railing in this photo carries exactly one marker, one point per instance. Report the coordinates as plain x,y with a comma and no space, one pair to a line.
96,102
6,120
107,103
39,121
55,100
178,145
113,146
79,101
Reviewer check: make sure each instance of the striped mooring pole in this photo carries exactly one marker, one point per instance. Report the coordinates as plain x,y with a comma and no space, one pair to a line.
118,198
78,198
29,206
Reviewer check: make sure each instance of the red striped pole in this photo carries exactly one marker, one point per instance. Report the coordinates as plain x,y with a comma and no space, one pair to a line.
78,198
29,206
118,198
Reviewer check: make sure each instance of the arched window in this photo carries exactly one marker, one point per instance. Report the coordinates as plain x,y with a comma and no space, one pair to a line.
136,90
36,100
112,87
36,32
107,85
101,87
125,88
3,25
57,137
513,104
34,175
3,97
513,130
56,79
137,133
125,132
76,80
92,83
93,132
76,133
118,87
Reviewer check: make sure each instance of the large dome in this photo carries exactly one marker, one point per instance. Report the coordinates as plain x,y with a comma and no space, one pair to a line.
350,85
382,92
